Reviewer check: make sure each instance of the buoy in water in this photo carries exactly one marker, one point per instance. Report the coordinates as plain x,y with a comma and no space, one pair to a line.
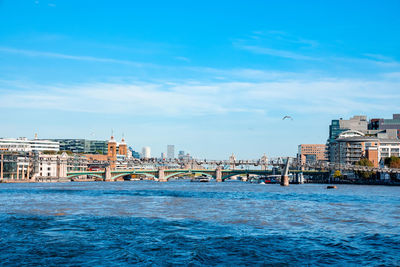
331,187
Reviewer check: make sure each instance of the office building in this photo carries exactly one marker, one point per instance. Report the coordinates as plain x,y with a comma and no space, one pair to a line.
386,124
170,151
146,152
309,153
187,157
135,154
23,144
357,123
181,154
83,146
16,166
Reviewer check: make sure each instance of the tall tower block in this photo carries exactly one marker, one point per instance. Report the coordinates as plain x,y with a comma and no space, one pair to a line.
112,152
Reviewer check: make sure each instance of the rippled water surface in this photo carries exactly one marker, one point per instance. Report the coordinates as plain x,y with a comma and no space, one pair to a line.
231,223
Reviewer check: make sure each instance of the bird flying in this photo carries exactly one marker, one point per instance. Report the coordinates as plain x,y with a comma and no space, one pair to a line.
287,117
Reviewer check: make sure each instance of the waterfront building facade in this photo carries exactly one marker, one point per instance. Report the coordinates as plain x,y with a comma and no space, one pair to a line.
351,146
309,153
23,144
22,166
56,165
15,166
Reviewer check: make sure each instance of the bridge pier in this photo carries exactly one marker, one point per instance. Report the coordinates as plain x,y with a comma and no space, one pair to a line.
107,174
284,180
161,175
218,174
285,174
1,167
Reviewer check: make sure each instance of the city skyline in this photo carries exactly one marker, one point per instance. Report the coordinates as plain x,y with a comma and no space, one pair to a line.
212,81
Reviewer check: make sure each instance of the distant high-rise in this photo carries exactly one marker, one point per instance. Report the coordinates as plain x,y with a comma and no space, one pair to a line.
146,152
171,151
135,154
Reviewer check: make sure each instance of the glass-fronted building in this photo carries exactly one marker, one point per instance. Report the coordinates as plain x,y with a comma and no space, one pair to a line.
83,146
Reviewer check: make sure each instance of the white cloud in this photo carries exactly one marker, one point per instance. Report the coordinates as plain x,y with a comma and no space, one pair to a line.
375,61
286,37
274,52
199,98
33,53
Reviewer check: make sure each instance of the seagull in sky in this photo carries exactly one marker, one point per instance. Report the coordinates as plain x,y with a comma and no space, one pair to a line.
287,117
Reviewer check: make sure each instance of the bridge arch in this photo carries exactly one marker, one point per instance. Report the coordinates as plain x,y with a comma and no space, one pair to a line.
225,177
121,175
146,174
130,173
80,174
167,177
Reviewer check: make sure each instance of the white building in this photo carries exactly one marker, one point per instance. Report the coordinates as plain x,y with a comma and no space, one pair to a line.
23,144
146,152
48,166
57,166
389,148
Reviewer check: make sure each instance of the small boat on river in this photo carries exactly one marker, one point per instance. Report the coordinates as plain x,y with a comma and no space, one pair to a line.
200,179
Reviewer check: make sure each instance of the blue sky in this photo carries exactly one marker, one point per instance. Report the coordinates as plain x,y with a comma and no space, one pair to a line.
211,77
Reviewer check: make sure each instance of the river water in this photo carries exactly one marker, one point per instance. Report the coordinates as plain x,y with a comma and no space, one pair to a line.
183,223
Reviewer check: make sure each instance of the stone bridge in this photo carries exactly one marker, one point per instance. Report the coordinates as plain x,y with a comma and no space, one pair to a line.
163,175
